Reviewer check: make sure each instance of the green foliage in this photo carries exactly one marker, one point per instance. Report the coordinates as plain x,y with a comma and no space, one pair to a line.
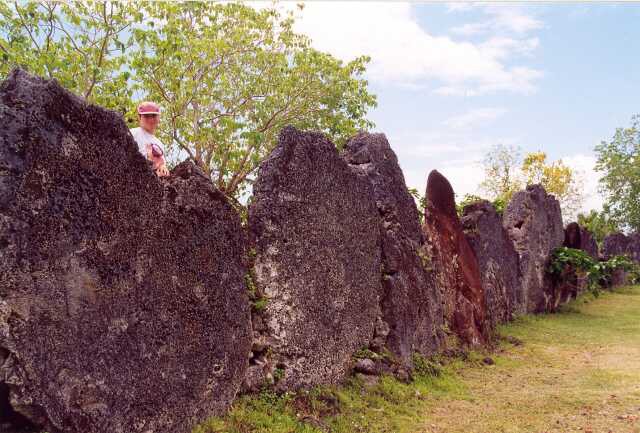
556,178
421,202
619,162
258,300
467,200
599,224
84,45
260,304
498,203
228,76
386,406
365,352
598,273
278,374
426,367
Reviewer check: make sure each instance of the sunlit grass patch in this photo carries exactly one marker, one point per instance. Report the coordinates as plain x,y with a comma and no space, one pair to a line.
576,370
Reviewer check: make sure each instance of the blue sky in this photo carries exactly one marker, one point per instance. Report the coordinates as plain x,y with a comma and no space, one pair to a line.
454,79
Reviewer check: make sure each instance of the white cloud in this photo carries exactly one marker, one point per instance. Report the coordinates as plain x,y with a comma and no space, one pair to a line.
403,53
502,47
513,19
459,6
475,117
500,18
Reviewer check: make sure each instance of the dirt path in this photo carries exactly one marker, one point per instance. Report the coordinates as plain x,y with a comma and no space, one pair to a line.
578,371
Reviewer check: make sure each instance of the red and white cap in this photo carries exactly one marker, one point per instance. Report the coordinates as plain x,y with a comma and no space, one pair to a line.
148,107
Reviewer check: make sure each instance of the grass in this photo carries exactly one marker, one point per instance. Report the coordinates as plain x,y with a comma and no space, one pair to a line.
575,371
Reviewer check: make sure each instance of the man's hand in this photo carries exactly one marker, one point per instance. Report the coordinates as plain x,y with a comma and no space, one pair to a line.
162,171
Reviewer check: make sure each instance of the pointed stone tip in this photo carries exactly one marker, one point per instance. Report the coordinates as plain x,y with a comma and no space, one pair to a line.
440,193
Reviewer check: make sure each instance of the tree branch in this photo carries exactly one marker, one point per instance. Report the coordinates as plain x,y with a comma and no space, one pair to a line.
24,25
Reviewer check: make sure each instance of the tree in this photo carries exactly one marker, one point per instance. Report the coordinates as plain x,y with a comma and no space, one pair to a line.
502,179
227,76
81,44
506,173
556,178
619,161
598,223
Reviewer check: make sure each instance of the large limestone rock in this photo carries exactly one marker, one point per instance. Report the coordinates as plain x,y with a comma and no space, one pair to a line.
633,248
455,264
411,304
534,223
317,260
122,302
617,244
497,259
580,238
571,283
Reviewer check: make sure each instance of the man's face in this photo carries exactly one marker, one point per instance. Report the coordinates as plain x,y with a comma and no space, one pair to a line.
149,122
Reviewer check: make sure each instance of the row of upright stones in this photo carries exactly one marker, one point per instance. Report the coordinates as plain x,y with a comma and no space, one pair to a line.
338,254
124,300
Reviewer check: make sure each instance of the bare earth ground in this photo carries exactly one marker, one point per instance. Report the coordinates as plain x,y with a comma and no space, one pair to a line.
578,371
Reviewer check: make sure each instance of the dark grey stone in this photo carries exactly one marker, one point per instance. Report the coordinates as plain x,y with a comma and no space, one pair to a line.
317,260
411,303
122,301
497,259
534,223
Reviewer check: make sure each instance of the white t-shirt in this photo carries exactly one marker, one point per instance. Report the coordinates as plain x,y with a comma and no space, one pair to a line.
143,138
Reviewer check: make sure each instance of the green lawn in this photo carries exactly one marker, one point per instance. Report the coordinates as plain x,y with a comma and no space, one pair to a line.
575,371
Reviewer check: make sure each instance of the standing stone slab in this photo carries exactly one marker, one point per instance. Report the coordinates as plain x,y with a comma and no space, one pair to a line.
411,303
317,261
534,223
122,302
633,248
572,283
497,259
617,244
580,238
455,264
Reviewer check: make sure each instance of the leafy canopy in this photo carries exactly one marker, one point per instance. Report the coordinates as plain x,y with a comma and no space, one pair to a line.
227,76
619,162
506,173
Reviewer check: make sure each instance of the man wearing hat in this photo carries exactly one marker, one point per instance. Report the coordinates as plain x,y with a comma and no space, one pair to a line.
148,144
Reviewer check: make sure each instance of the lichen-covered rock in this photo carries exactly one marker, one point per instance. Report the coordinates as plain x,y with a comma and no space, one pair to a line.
122,302
411,304
633,249
580,238
497,259
534,223
571,283
617,244
317,261
455,264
